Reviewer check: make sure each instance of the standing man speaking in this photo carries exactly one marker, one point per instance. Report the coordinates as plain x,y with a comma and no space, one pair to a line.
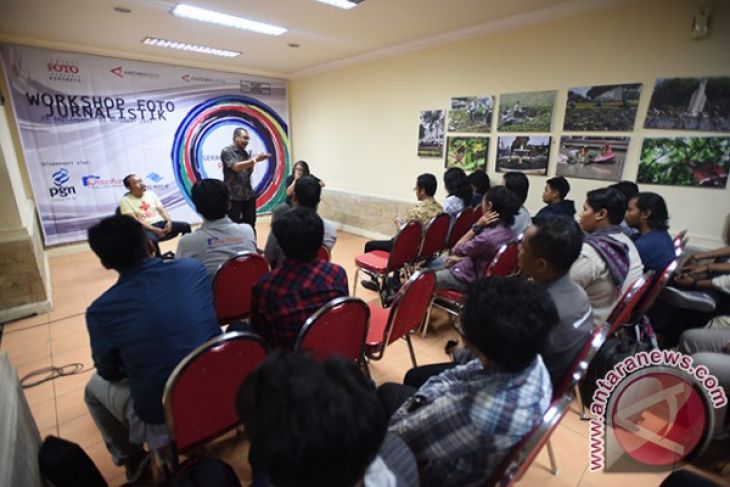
237,169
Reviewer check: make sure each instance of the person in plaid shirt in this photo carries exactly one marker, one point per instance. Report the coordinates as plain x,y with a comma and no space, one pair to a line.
461,423
284,298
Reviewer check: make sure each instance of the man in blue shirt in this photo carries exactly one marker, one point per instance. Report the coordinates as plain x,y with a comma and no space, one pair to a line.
647,212
140,329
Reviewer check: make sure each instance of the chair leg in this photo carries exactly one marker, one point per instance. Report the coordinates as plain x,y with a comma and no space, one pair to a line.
583,415
410,349
424,325
551,457
354,284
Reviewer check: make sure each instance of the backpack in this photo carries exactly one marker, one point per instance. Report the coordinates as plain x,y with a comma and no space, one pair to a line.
66,464
203,472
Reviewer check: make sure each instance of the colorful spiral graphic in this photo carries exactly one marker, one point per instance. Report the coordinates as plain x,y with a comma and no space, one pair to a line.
201,120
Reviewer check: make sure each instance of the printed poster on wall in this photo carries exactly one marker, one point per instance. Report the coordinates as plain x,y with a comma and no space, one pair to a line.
87,121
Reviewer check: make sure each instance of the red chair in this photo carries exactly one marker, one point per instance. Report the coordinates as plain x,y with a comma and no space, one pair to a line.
680,242
378,263
624,311
519,460
324,254
337,328
410,307
656,287
232,285
476,214
434,238
462,224
200,396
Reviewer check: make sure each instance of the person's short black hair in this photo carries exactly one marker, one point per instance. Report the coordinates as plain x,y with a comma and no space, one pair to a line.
612,200
211,198
518,183
457,184
305,167
119,241
299,233
238,131
628,188
311,423
308,191
557,239
428,183
508,320
480,181
126,179
648,201
504,202
559,184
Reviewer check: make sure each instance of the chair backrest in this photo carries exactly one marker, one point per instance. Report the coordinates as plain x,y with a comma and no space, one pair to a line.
324,253
434,238
504,263
624,311
578,368
520,458
405,246
680,241
200,394
337,328
410,305
657,286
461,225
232,285
476,214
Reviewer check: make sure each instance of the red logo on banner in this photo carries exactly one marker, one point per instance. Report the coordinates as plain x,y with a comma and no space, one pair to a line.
186,77
119,71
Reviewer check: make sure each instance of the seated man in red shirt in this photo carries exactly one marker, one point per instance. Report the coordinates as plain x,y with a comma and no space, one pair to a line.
283,299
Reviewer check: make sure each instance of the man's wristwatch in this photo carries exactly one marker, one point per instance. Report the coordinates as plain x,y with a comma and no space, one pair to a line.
477,229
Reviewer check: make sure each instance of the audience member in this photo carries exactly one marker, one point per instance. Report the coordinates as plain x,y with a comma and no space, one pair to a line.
548,249
459,192
319,424
307,192
609,262
475,250
140,329
556,189
284,298
647,213
630,190
300,169
460,424
479,181
144,206
518,183
218,238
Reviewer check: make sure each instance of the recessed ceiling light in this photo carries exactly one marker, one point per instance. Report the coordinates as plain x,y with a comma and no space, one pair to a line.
205,15
183,46
346,4
122,10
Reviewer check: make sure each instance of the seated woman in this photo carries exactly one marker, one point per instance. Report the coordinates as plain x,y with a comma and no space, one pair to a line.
459,189
480,183
301,168
475,250
647,212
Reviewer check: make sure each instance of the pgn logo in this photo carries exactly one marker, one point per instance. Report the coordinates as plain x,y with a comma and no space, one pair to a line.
60,178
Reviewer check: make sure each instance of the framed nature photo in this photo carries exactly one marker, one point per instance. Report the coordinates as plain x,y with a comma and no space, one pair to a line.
685,161
467,152
690,104
602,108
471,114
591,157
431,134
527,154
526,112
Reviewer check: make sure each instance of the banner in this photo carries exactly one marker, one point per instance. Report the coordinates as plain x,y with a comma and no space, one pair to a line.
87,121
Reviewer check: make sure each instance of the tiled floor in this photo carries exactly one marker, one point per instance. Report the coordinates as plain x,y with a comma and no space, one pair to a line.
60,338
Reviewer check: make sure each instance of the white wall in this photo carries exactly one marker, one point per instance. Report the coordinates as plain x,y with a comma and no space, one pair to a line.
358,126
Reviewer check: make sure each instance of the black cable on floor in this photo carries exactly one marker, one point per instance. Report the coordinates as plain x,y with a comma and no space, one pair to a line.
50,373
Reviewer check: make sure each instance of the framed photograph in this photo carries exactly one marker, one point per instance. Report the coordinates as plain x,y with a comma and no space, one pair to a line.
431,134
685,161
468,153
471,114
526,112
690,104
591,157
527,154
602,108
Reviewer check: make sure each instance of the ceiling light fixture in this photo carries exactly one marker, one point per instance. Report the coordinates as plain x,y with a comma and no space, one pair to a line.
183,46
210,16
346,4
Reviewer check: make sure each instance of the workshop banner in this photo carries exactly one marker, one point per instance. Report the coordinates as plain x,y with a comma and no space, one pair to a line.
87,121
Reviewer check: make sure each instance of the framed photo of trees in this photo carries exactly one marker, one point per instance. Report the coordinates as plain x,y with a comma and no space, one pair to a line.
685,161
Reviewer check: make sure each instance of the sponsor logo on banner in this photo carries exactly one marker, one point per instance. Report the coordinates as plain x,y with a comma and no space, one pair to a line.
92,181
154,177
121,72
60,189
189,78
63,70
